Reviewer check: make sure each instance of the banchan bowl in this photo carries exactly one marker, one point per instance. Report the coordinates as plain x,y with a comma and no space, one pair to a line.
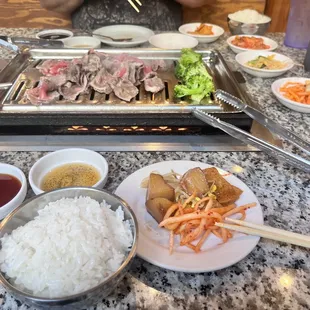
29,209
67,156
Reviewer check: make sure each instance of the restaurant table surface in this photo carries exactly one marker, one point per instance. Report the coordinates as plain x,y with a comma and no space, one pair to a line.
274,275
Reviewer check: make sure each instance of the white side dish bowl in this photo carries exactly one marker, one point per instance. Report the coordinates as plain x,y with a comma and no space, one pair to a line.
20,196
66,156
273,44
173,41
293,105
82,42
138,34
218,31
243,58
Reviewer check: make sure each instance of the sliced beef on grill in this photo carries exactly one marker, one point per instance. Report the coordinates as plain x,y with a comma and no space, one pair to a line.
54,81
91,63
103,81
128,58
112,65
125,90
158,64
53,67
73,73
70,91
44,93
154,84
131,73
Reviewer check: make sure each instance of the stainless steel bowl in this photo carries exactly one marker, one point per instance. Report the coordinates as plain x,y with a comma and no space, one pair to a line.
28,210
250,29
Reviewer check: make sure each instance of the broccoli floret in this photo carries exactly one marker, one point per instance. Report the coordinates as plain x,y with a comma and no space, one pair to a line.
180,71
188,57
196,81
183,90
198,69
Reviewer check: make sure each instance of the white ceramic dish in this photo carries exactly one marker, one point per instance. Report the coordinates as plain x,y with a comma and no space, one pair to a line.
173,41
66,156
218,31
139,34
20,196
82,42
293,105
273,44
153,242
54,33
243,58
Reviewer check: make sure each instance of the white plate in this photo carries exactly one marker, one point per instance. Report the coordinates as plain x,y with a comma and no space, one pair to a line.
299,107
139,34
173,41
243,58
218,31
153,241
273,44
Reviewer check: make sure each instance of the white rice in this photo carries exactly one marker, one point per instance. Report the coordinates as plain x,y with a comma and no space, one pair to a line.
71,246
249,17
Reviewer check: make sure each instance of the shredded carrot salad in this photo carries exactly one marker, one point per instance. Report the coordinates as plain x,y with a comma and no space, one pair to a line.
197,221
296,91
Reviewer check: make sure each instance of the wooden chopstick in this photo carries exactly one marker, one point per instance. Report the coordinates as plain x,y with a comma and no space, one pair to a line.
268,228
134,6
267,232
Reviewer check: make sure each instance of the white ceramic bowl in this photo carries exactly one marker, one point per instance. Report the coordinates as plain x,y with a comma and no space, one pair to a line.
20,196
299,107
218,31
243,58
82,42
173,41
273,44
138,34
66,156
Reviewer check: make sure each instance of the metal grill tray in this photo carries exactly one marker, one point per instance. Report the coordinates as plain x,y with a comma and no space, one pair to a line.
22,70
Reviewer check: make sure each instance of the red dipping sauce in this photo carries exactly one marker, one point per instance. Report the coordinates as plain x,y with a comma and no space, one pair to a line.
9,187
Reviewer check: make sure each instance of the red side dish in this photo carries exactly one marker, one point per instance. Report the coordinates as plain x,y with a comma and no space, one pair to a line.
250,43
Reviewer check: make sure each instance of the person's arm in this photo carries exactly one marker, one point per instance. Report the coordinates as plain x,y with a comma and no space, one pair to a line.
193,3
61,6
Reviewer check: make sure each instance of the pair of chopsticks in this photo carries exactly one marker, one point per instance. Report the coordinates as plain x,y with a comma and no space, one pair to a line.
266,232
133,4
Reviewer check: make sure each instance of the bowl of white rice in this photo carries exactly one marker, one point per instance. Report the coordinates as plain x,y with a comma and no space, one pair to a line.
248,22
67,248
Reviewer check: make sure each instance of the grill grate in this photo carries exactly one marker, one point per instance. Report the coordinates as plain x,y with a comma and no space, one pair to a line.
163,102
30,79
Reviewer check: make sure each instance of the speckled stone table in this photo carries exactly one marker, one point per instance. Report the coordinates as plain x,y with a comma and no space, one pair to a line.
273,276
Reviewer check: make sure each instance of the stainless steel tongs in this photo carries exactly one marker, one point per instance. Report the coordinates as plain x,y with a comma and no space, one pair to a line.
293,159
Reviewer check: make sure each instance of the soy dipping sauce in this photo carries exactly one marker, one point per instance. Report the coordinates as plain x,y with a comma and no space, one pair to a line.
9,187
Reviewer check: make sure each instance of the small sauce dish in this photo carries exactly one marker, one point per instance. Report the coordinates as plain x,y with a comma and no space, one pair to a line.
82,42
13,188
64,158
54,34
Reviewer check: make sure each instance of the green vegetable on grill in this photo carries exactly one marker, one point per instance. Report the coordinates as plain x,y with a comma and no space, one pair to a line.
195,81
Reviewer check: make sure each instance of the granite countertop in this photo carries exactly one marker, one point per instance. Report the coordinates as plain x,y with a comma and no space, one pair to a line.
272,276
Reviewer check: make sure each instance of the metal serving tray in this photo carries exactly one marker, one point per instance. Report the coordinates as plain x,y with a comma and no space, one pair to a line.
24,75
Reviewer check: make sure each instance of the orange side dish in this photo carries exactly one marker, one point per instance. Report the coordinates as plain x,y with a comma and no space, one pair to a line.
203,29
250,43
297,92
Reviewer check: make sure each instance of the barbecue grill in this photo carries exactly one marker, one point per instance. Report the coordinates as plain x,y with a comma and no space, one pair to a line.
106,115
